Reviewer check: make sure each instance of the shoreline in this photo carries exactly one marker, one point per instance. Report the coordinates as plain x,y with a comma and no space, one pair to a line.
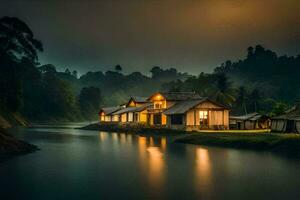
287,145
11,146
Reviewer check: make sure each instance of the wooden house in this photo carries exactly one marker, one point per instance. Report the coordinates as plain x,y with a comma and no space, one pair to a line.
289,122
136,114
105,114
176,110
164,100
197,114
250,121
136,101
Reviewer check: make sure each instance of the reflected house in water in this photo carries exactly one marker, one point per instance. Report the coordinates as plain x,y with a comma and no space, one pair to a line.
174,110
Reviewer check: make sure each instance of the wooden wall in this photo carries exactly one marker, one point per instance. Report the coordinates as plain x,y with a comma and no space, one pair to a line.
143,116
124,117
216,115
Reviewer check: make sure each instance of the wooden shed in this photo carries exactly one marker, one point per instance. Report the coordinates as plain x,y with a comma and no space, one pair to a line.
250,121
289,122
198,114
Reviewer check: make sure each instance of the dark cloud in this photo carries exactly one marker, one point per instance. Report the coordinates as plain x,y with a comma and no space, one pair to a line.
192,36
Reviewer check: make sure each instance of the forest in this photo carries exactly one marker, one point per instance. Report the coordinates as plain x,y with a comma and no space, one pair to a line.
261,82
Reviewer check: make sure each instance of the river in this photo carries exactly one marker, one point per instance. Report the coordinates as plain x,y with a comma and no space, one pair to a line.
80,164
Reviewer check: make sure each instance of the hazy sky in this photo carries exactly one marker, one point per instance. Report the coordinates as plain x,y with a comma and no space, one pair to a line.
189,35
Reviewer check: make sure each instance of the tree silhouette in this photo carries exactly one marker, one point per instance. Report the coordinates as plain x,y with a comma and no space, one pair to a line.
75,74
118,68
17,40
223,91
255,96
241,98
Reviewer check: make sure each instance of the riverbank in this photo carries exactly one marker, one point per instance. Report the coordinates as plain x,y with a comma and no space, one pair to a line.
286,144
10,146
141,130
261,140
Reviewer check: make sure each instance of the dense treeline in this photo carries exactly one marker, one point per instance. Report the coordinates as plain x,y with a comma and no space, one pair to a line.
42,93
38,92
262,82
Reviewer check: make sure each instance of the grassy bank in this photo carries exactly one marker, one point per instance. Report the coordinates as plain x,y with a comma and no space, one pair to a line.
288,144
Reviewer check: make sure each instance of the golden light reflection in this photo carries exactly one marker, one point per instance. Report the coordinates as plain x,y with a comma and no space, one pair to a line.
129,138
102,136
152,160
156,167
123,138
203,167
115,136
163,143
151,141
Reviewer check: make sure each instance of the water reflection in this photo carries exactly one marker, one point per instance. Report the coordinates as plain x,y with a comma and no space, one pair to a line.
203,168
152,160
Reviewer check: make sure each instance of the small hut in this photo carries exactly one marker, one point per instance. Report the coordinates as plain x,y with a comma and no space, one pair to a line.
250,121
289,122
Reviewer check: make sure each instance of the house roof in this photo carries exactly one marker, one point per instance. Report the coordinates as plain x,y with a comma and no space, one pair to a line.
184,106
177,96
250,116
133,109
138,99
291,114
110,110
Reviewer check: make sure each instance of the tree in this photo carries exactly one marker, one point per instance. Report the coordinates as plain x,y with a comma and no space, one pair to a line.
255,96
67,71
17,43
241,98
48,68
279,108
118,68
17,40
75,74
89,101
223,91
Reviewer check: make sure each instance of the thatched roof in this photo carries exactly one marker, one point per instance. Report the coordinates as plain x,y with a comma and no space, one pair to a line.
133,109
178,96
183,106
291,114
110,110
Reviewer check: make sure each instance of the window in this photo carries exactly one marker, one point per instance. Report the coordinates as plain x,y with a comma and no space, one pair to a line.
158,105
177,119
203,115
136,117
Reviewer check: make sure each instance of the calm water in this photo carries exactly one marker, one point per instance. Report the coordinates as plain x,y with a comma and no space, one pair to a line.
78,164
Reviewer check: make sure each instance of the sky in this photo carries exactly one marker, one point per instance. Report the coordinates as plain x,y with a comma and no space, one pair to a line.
191,35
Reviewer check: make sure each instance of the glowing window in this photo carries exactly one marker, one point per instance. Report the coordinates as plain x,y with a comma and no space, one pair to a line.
158,105
203,115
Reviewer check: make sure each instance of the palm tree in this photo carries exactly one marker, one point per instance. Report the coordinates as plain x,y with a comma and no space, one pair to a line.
223,91
241,98
17,40
255,96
